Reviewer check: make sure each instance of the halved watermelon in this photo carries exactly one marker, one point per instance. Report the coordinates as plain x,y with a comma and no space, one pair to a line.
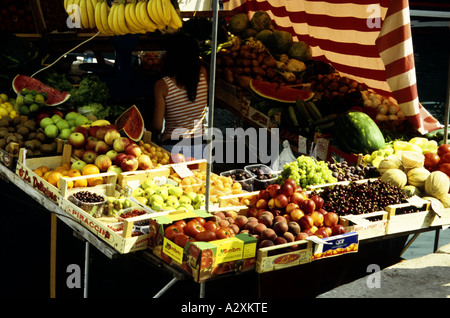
55,97
131,123
275,91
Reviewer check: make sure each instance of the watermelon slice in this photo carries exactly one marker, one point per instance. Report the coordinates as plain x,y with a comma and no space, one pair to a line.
55,97
283,94
131,123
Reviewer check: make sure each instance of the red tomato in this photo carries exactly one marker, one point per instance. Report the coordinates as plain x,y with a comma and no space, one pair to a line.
224,232
181,224
431,160
211,225
182,239
445,158
445,168
443,149
192,228
200,220
171,230
206,236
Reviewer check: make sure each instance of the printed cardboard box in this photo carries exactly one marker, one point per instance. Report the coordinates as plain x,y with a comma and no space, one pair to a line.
334,245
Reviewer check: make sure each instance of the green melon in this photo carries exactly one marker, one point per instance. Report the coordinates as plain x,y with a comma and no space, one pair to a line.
275,91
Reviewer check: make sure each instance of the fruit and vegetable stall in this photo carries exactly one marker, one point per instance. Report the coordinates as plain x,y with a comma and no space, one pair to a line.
378,175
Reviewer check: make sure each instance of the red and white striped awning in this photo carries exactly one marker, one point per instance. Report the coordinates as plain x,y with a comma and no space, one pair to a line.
366,40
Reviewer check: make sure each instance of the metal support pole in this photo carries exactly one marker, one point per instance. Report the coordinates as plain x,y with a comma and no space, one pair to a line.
86,269
53,236
165,288
202,290
436,240
212,84
448,104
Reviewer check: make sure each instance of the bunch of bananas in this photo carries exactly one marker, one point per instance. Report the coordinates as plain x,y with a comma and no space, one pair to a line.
125,17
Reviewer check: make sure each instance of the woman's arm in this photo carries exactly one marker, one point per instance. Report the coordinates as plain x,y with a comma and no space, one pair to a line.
160,92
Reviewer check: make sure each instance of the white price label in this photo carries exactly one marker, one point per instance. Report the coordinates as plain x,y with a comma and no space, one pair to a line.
302,145
182,170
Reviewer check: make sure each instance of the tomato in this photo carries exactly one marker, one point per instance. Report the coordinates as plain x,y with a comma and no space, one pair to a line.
181,224
192,228
171,230
211,225
182,239
224,232
443,149
445,158
445,168
200,220
431,160
206,236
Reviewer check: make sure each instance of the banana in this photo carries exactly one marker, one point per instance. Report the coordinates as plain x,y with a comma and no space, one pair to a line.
159,9
98,18
133,16
66,3
148,24
104,14
130,23
91,12
175,20
100,122
112,20
84,14
165,11
120,18
153,13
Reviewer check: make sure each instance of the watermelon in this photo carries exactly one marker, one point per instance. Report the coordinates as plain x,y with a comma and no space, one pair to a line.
55,97
358,133
275,91
131,123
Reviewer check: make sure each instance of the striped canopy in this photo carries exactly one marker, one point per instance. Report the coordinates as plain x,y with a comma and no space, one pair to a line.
366,40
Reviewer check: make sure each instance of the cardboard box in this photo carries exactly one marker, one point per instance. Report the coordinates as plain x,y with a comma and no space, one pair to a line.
335,245
283,256
201,260
9,160
367,225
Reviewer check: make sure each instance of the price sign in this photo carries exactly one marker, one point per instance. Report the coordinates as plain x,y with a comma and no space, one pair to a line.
182,170
302,145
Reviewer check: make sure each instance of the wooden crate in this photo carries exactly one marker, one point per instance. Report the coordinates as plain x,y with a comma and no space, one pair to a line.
398,222
366,225
442,218
25,167
283,256
124,242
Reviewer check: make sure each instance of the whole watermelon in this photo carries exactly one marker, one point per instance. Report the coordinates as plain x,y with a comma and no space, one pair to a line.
358,133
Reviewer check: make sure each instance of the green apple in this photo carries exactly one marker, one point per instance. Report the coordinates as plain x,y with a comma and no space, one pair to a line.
78,164
142,200
192,195
185,200
157,206
51,131
156,198
148,192
138,192
176,191
62,124
45,122
148,184
163,192
56,118
200,198
186,207
64,133
172,201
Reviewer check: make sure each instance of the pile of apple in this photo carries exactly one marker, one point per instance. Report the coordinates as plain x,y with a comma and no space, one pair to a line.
282,214
105,147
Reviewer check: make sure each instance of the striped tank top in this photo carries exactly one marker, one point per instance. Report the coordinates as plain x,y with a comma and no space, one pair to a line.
183,117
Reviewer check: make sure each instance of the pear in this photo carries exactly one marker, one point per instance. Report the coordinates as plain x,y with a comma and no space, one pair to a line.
138,192
186,207
176,191
185,200
148,192
163,192
172,201
148,184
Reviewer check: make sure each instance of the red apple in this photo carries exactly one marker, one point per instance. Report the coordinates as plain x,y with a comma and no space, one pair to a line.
101,147
91,142
306,222
281,201
144,162
276,211
177,158
273,189
129,163
93,131
338,229
308,206
119,158
77,152
110,136
292,182
76,140
291,207
121,143
133,149
330,219
322,211
264,194
328,230
287,189
82,130
318,200
261,204
317,218
297,198
321,233
302,236
89,156
103,162
271,204
252,212
296,215
101,132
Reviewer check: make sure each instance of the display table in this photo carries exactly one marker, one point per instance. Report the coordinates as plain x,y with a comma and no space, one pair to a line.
263,281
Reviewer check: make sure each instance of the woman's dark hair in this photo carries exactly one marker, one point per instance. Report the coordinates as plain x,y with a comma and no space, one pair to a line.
182,60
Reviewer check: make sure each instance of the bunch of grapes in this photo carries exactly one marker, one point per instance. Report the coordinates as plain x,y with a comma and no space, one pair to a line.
307,171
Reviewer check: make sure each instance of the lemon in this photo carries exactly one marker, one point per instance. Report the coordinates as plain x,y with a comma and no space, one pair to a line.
3,112
4,97
13,114
8,106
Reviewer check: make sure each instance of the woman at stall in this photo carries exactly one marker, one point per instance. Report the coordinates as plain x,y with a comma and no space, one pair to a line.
180,99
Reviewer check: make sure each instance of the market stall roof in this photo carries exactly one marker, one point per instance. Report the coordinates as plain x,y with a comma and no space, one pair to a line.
366,40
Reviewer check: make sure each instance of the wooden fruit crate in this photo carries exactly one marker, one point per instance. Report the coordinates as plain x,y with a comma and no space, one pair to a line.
367,225
402,222
25,167
283,256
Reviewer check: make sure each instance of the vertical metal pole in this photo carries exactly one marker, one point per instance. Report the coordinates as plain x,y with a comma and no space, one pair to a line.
86,269
53,234
448,104
202,290
212,85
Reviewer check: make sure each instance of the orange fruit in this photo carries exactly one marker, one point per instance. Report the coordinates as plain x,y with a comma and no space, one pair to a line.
38,172
53,177
90,169
95,181
73,173
81,183
45,176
